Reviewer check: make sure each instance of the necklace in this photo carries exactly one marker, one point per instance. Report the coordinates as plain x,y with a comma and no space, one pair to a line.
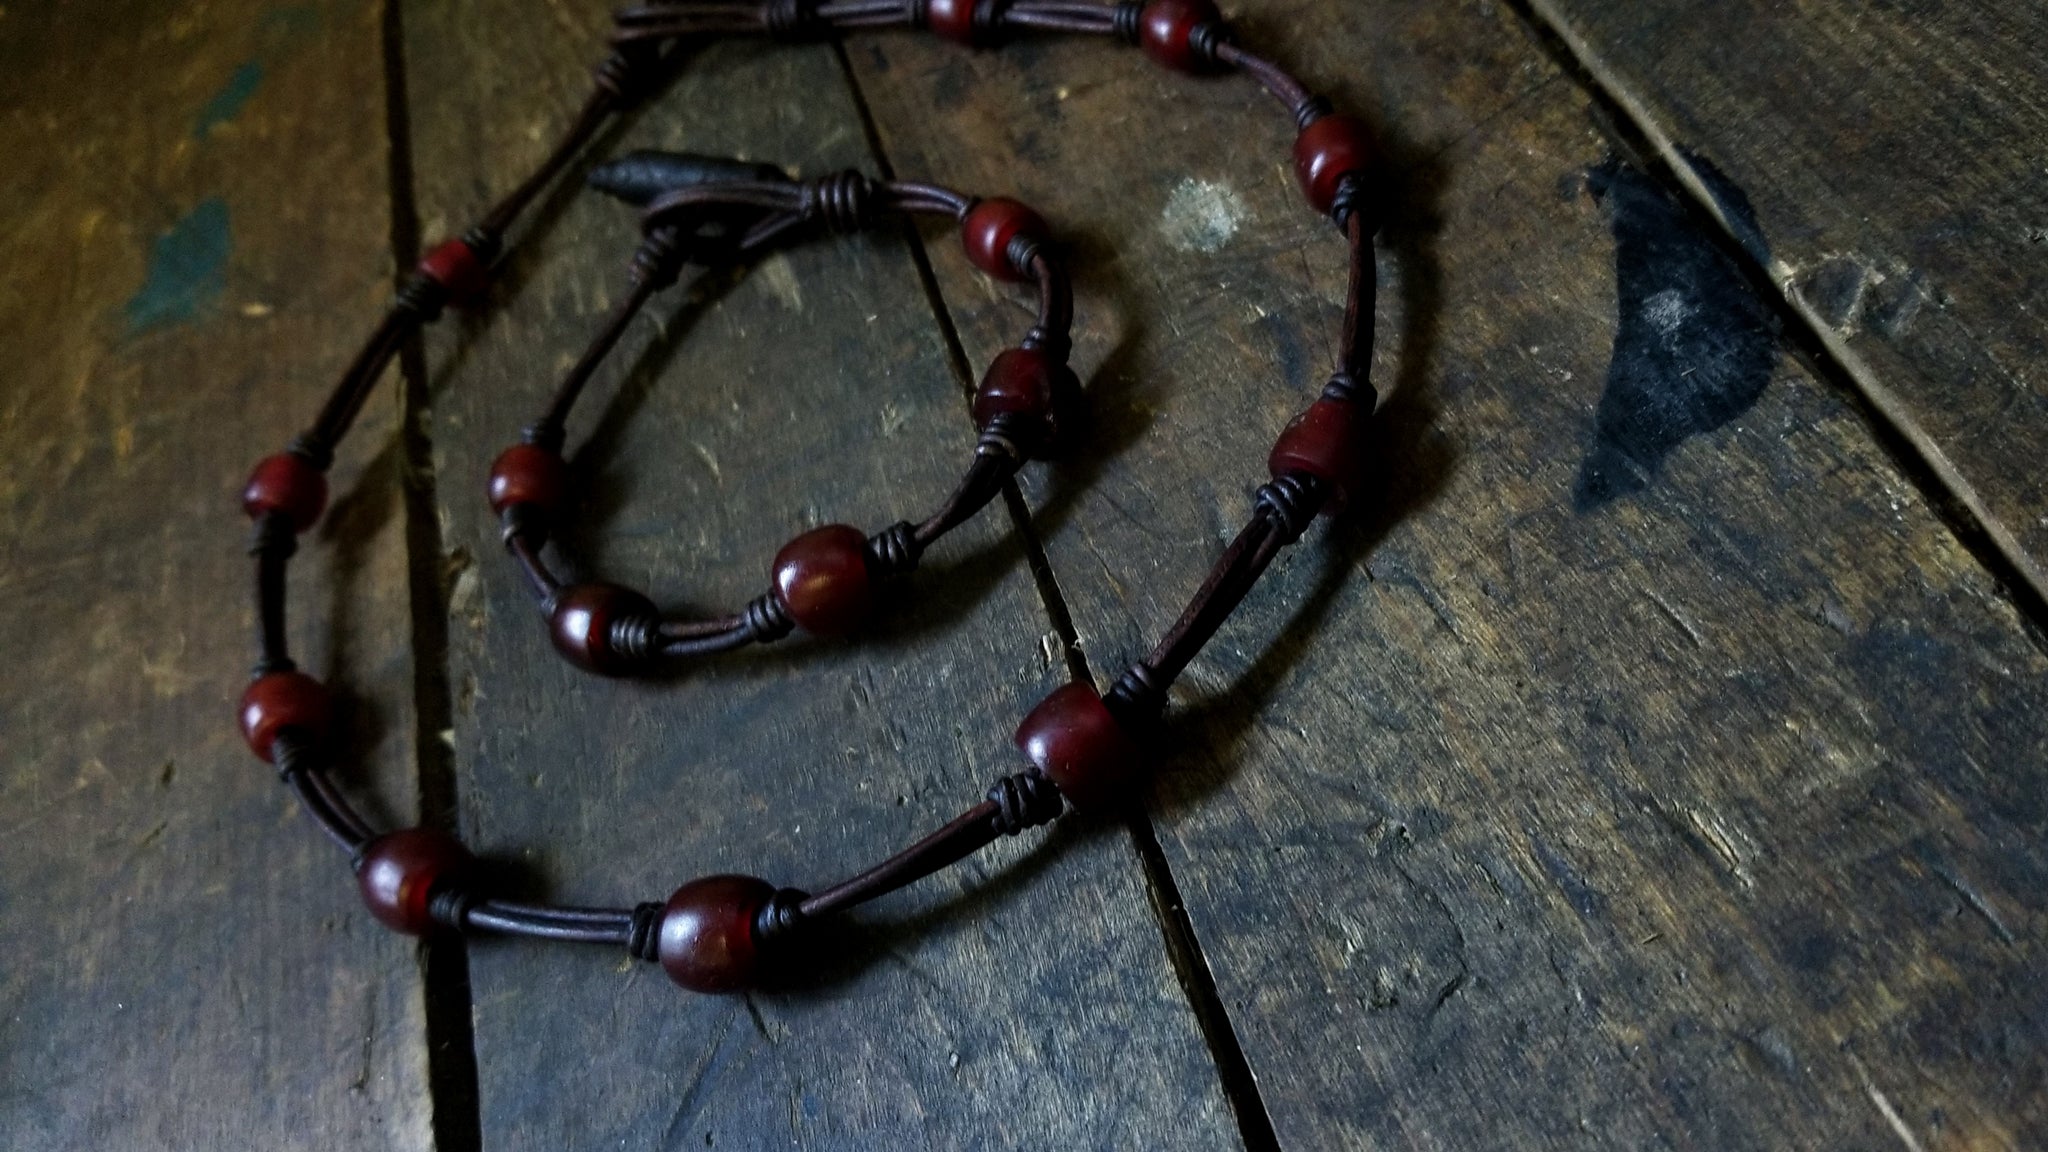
1084,748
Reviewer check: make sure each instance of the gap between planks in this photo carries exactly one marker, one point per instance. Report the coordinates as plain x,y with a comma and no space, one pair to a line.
455,1108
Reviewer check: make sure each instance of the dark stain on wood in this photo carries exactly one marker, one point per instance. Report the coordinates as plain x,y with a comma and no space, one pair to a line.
1693,347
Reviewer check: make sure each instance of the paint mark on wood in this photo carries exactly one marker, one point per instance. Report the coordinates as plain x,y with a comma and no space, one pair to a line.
187,269
1202,216
1694,346
227,103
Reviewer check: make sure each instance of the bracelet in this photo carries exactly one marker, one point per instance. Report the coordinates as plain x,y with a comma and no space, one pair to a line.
707,211
725,933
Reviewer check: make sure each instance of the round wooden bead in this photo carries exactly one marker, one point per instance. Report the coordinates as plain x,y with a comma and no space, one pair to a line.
989,228
953,19
1326,151
1166,30
528,474
280,701
581,624
706,942
1072,738
398,872
286,483
1326,441
822,580
1018,380
460,272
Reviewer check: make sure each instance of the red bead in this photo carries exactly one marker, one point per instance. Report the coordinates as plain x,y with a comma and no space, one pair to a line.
287,483
1166,28
821,577
1326,441
581,624
1017,380
1073,739
988,229
528,474
1330,148
398,872
280,701
460,272
953,19
707,942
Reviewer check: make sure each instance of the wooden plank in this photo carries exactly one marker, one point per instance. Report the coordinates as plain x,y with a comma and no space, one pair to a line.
197,230
1521,808
1022,1001
1885,152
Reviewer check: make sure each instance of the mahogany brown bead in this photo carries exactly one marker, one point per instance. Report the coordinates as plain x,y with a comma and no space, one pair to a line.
953,19
707,942
528,474
286,483
398,872
1018,380
283,700
581,624
1326,441
822,580
1166,31
988,229
460,272
1326,151
1072,738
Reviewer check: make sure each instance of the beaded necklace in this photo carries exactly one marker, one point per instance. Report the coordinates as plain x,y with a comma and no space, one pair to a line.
1083,748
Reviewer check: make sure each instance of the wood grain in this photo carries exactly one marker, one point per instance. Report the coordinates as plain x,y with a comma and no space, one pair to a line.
195,228
1703,815
1886,150
1023,1000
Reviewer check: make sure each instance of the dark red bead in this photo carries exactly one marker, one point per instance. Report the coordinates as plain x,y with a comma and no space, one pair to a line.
822,579
528,474
1017,380
581,624
286,483
953,19
707,942
1330,148
460,272
398,872
1166,28
988,229
1327,441
1073,739
283,700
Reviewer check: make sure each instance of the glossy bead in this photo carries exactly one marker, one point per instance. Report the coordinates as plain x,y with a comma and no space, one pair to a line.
581,624
706,942
287,483
952,19
528,474
1017,380
1166,28
1074,739
822,579
1326,151
1327,441
271,704
460,272
988,229
398,871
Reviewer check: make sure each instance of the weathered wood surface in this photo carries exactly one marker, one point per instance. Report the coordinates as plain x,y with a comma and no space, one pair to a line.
1892,154
1616,782
1551,801
1021,1001
195,230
